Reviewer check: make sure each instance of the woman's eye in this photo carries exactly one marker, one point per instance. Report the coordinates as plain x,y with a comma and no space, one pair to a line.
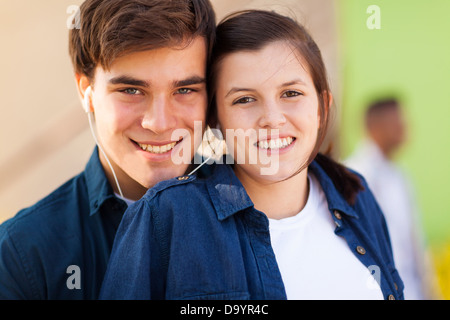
243,100
132,91
290,94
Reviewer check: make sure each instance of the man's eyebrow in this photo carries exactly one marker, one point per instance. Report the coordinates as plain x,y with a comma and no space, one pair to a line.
188,82
128,81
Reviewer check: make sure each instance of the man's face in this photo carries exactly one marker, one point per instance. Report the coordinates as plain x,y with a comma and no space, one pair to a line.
139,102
393,129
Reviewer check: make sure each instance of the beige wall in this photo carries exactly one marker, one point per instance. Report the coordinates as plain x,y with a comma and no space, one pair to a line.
44,136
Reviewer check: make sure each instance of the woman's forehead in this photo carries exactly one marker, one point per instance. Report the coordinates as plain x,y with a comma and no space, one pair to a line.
276,64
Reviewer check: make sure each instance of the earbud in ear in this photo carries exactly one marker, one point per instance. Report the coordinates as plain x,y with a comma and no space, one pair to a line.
87,100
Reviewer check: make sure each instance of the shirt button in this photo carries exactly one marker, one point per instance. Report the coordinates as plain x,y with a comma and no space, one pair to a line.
391,297
360,250
183,178
337,215
396,286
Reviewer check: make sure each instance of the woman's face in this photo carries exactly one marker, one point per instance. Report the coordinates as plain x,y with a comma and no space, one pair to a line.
268,110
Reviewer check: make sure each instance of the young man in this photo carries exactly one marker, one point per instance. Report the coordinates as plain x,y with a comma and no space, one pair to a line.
140,68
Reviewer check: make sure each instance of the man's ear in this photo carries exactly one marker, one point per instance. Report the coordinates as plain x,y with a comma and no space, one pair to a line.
82,83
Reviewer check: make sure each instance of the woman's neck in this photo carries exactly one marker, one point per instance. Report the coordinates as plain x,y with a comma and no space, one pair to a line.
278,200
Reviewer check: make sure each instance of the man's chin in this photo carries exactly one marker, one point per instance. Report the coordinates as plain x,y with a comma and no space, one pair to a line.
157,176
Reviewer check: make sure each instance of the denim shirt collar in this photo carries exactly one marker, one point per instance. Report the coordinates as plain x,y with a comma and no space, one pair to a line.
335,200
228,195
98,187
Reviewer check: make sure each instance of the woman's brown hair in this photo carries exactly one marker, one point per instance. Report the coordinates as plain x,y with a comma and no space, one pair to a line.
251,30
110,29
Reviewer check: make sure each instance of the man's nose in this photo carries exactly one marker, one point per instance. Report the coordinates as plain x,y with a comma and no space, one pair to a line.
159,116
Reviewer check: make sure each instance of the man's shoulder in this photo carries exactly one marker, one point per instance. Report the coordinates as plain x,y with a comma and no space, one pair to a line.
48,211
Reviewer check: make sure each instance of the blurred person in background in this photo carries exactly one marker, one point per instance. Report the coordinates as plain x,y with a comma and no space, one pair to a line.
140,69
386,132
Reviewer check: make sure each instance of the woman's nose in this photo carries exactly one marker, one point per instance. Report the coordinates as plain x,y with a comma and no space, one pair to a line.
272,116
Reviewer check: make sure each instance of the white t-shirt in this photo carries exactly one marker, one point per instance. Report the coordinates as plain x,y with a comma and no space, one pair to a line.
314,262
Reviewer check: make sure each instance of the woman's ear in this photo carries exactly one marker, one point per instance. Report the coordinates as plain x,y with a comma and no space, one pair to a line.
330,99
327,98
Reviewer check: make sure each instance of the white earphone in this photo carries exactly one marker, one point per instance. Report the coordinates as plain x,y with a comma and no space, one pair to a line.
87,108
87,101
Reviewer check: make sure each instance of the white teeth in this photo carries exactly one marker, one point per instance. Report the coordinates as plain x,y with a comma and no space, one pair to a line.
275,143
157,149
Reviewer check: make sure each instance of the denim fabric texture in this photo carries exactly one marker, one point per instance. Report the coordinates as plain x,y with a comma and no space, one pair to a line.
73,226
193,238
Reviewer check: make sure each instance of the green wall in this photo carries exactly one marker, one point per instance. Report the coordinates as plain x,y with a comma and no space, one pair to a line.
409,56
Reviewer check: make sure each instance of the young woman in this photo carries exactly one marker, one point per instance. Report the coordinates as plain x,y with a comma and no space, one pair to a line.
310,229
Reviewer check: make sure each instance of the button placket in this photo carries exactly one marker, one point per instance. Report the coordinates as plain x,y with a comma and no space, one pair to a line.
338,216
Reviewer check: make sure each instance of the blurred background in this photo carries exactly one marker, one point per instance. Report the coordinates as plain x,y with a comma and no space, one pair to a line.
395,48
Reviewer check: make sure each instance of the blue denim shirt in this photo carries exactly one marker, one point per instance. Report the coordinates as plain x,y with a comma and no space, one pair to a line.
73,226
191,238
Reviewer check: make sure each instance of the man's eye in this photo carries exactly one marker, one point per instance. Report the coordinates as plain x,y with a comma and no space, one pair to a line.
244,100
184,90
131,91
291,93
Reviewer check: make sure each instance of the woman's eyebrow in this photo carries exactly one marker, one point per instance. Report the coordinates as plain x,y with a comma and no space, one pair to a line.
234,90
286,84
290,83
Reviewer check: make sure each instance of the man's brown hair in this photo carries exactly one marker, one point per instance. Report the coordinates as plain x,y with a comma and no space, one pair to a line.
113,28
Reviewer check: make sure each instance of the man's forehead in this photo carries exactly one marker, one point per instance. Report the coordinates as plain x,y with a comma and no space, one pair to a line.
193,50
156,66
176,64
